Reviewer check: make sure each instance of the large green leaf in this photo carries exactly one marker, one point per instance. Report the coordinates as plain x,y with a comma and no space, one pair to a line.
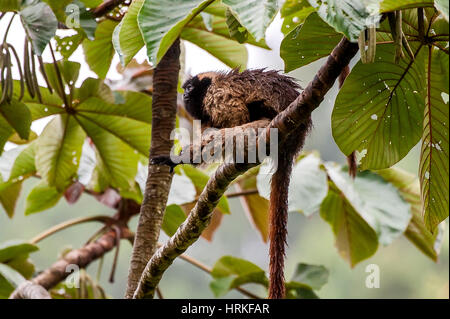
308,42
69,75
15,166
392,5
379,110
12,249
417,233
433,170
10,5
355,239
40,23
216,41
231,272
58,151
129,122
348,16
308,186
161,23
18,116
294,13
42,197
254,15
99,52
388,217
127,37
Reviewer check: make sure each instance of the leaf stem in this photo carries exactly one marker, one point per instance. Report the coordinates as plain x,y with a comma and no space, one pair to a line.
8,27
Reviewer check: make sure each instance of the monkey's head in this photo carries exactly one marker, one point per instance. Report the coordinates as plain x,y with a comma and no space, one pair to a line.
194,92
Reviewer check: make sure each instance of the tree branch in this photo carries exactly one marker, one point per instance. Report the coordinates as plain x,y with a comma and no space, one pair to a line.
29,290
159,179
106,7
296,114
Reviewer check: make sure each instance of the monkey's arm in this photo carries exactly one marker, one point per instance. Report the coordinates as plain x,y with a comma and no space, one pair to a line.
221,136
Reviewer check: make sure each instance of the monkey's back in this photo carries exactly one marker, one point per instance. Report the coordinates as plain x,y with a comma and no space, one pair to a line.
235,98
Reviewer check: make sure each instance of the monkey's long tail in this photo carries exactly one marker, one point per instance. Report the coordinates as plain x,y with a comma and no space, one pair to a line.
278,215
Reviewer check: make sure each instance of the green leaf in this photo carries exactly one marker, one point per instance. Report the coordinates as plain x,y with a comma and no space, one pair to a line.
10,5
18,116
11,275
99,52
15,166
173,218
392,5
41,197
69,73
379,109
127,37
215,42
442,6
349,17
254,15
311,275
308,42
230,272
308,186
12,249
66,46
388,217
130,121
95,88
6,131
355,239
294,13
86,18
40,23
433,169
162,24
58,151
199,179
417,233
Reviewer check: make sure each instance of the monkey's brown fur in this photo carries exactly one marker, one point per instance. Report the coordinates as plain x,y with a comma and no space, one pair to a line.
233,99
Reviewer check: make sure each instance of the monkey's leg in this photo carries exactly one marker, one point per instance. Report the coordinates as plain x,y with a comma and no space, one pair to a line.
204,148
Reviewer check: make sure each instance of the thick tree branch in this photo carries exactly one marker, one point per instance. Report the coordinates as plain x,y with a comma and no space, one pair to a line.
296,114
159,179
29,290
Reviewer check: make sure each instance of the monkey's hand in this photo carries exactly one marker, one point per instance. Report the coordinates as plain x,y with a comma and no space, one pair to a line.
163,160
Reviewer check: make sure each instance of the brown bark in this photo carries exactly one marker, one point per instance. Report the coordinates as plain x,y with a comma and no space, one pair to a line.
29,290
296,114
106,7
164,107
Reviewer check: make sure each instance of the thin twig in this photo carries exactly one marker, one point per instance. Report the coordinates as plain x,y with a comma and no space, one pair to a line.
59,77
69,223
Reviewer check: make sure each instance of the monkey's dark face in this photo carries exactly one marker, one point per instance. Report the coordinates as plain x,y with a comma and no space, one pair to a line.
194,93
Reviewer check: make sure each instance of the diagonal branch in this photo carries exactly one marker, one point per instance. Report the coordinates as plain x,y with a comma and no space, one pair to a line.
296,114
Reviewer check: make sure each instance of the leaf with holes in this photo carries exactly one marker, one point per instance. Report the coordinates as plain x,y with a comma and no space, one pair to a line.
433,170
379,109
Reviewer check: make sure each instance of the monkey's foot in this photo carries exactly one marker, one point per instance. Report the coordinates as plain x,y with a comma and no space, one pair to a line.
163,160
